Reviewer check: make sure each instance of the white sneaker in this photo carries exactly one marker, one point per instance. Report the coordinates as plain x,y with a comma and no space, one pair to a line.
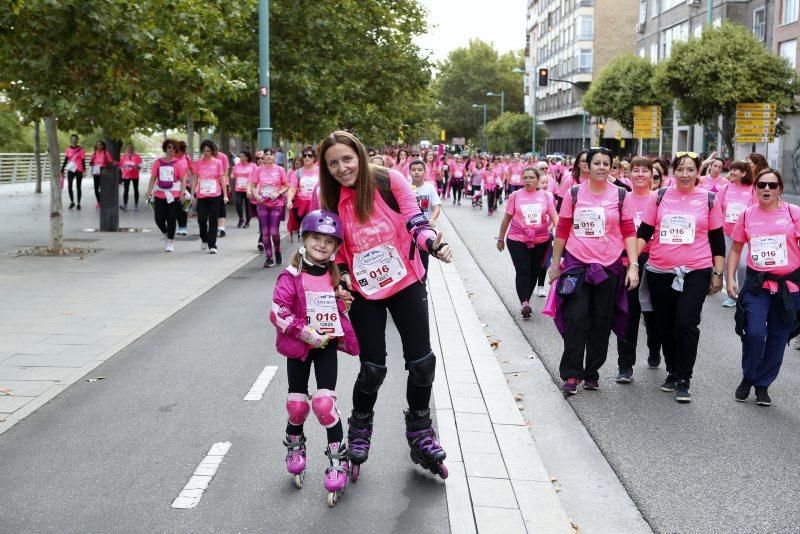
541,291
182,231
203,245
169,248
212,251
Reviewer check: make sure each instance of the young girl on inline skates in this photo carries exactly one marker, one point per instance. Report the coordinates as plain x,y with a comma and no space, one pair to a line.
312,326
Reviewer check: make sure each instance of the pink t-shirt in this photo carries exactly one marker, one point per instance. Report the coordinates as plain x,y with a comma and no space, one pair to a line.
457,170
209,174
130,163
76,156
306,183
98,160
596,236
402,167
268,181
639,204
771,237
223,158
708,183
531,215
515,173
566,183
241,175
489,180
733,200
682,222
165,171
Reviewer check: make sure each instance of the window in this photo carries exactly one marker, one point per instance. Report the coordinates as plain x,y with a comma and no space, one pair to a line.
679,32
788,50
669,4
642,16
654,53
654,10
642,53
789,11
584,60
760,23
697,32
585,28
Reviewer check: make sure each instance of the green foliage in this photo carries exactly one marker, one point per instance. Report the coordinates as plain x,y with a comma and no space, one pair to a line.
725,66
464,79
624,83
511,132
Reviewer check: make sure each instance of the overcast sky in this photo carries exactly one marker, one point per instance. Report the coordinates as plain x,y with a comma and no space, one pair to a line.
452,23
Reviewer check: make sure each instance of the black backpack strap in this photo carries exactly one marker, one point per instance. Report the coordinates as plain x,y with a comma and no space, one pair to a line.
385,189
573,192
621,191
711,198
660,195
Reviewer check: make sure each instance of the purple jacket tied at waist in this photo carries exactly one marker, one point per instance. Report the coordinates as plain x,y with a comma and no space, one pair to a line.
596,274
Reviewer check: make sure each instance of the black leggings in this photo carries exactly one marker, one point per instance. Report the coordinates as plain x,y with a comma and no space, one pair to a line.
183,216
626,347
240,197
491,199
208,210
78,177
166,216
409,309
527,264
96,179
127,185
457,187
325,371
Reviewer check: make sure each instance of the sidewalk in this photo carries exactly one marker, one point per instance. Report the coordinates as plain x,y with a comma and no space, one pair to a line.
62,317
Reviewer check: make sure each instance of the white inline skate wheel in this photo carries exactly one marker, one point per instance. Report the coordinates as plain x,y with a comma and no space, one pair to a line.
298,480
332,498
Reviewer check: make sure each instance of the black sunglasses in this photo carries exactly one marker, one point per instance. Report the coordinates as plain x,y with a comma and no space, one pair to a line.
771,185
601,149
308,155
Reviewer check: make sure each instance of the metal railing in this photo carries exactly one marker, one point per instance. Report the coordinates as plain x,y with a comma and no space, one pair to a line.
21,167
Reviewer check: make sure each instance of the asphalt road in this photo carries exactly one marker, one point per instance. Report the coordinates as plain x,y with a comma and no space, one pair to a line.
714,465
112,455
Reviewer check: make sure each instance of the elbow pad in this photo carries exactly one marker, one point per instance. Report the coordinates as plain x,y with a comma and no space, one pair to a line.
418,226
645,232
716,239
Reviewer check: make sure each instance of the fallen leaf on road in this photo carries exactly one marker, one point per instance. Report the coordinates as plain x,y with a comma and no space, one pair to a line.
519,396
484,325
95,379
6,390
520,406
495,343
2,418
574,525
515,374
531,356
553,479
558,490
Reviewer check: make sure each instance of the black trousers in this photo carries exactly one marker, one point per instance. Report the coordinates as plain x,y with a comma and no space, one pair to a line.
78,178
242,210
126,187
96,179
527,266
166,216
325,371
208,210
677,314
491,199
409,309
457,188
626,347
588,315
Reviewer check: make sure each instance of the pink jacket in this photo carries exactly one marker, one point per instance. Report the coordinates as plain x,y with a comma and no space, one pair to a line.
409,220
288,314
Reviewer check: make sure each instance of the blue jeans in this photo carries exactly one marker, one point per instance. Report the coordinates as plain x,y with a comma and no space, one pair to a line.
766,335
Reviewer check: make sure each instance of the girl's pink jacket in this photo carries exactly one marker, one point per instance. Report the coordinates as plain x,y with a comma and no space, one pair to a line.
288,314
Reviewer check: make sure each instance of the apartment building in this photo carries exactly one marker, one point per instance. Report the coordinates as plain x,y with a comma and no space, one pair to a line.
575,39
787,147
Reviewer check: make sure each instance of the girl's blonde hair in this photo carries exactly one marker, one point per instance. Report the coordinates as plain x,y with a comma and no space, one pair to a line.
333,269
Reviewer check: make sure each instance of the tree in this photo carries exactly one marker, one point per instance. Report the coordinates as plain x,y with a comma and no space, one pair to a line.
624,83
511,132
725,66
464,79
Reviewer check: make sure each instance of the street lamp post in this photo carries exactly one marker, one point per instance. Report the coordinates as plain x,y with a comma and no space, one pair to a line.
535,105
502,95
483,132
264,128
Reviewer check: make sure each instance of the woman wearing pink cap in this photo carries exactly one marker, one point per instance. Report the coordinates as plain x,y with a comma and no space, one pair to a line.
768,303
595,225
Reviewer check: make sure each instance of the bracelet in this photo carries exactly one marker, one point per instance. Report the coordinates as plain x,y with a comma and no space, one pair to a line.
716,273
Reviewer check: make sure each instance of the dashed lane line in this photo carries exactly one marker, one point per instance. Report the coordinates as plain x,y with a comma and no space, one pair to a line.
256,392
192,492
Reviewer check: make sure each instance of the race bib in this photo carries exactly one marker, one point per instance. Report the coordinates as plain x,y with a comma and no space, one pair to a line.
208,187
307,184
96,170
769,251
241,182
322,314
677,230
166,176
378,268
733,210
516,179
71,167
532,214
268,191
458,174
589,222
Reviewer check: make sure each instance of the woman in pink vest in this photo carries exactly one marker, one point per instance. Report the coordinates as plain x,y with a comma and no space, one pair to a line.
166,188
74,157
131,163
380,264
100,158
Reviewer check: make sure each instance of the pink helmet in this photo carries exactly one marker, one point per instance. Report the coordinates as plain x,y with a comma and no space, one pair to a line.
323,222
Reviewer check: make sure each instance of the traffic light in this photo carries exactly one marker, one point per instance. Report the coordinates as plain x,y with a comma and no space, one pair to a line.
543,75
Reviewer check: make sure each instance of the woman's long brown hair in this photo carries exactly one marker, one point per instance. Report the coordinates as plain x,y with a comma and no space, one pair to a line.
330,189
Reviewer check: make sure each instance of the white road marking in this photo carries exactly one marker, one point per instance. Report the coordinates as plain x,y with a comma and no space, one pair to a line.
260,385
191,493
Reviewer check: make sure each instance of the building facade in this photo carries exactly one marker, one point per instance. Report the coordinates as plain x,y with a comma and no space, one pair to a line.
787,147
574,39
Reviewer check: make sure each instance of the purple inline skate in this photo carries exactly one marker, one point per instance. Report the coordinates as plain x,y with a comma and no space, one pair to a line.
359,436
425,450
337,474
296,458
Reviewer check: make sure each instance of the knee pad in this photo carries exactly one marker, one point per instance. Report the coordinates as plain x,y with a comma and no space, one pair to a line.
324,405
421,372
297,408
370,377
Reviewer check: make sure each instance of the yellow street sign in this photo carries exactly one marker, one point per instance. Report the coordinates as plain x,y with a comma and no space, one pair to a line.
755,122
645,135
756,115
754,139
442,135
754,130
647,109
756,106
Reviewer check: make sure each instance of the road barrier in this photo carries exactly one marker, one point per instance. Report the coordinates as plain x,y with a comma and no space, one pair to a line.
21,167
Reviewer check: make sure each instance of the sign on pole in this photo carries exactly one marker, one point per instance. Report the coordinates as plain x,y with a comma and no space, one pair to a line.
755,122
646,122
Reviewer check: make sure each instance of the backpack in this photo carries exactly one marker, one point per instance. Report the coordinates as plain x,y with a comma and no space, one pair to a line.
573,191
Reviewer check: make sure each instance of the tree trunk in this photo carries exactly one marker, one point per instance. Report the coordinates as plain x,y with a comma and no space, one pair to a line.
37,154
190,137
224,142
112,145
56,216
728,131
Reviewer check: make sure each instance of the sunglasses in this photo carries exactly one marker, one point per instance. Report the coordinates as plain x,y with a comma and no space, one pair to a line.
771,185
308,155
692,155
170,146
601,149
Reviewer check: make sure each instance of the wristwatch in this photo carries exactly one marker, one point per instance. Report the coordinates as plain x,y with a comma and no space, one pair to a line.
716,273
